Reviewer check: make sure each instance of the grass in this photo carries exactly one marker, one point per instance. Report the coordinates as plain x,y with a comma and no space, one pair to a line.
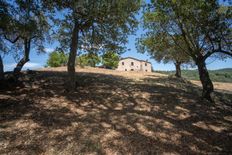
222,75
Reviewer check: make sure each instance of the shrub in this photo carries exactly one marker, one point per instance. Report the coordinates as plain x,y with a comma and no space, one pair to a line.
57,59
110,60
89,59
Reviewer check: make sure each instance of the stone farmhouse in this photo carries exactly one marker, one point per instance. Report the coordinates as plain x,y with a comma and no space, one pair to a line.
133,64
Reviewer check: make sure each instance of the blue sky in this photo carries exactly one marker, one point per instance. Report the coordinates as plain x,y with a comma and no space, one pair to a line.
39,60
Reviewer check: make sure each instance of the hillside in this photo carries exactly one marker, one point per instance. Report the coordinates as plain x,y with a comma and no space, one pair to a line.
112,112
221,75
225,69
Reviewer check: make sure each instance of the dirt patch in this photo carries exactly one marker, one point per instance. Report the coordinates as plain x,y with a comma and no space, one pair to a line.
112,113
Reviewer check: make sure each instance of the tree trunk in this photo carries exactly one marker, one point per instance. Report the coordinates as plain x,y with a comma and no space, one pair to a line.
71,80
205,80
25,59
178,69
1,69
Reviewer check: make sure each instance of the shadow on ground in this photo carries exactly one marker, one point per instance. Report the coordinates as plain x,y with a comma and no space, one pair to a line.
112,115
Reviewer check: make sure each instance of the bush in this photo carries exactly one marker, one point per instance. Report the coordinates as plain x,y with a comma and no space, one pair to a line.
57,59
110,60
89,59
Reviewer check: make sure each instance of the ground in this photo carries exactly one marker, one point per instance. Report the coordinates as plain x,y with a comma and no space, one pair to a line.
113,112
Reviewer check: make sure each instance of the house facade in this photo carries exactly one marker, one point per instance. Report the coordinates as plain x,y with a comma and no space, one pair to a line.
133,64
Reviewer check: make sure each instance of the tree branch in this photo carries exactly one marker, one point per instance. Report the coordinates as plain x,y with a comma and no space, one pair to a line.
12,41
217,51
226,52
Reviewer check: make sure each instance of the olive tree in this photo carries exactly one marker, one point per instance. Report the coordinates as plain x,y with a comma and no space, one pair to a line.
203,26
95,24
26,28
161,47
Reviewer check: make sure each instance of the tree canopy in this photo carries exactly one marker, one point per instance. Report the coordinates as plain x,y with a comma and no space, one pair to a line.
203,27
161,47
24,25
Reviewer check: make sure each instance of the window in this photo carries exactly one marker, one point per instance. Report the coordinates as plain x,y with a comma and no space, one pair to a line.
122,63
132,63
145,64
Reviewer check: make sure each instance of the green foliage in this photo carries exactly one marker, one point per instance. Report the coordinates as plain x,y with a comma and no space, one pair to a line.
102,24
110,60
23,25
89,59
159,44
198,28
24,21
161,47
223,75
57,59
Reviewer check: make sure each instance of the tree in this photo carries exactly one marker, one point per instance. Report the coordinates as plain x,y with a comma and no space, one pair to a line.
3,51
57,59
4,25
89,59
1,69
82,60
93,59
1,61
110,59
203,26
26,28
161,47
94,24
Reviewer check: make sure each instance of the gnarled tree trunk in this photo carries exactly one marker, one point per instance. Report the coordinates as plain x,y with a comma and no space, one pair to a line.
1,69
205,80
178,69
25,59
71,80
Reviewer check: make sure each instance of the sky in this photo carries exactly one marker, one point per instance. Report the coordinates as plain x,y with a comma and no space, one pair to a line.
39,60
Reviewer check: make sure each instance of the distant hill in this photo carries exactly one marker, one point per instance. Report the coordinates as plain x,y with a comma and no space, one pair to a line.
220,75
224,69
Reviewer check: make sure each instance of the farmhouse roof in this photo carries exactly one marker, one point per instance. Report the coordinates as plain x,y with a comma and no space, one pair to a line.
135,59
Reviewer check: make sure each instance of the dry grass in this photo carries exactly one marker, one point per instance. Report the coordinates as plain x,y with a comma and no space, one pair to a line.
219,86
112,113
